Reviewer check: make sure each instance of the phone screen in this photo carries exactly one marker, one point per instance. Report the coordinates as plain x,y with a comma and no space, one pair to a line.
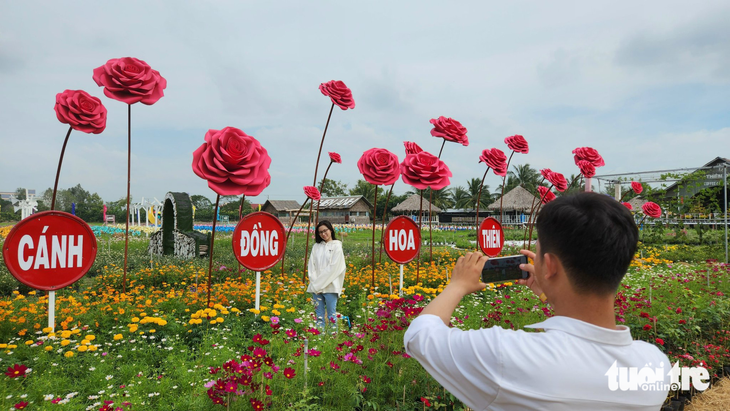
504,269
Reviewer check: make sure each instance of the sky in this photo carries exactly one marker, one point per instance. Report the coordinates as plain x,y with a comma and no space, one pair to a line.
644,83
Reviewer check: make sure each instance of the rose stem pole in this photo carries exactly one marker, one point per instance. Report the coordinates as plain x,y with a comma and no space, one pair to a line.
375,214
129,184
382,225
430,201
286,242
314,184
58,172
530,220
479,199
240,215
539,206
420,228
321,186
501,198
212,242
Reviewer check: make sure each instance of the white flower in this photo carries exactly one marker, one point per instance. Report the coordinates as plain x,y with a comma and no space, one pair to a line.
92,368
109,377
48,397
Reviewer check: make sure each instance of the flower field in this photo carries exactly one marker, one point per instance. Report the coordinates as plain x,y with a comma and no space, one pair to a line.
159,347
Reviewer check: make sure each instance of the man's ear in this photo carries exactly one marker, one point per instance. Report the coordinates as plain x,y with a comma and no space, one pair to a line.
552,265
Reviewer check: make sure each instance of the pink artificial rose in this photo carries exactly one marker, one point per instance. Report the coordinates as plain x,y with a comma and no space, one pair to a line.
545,172
558,181
379,166
496,160
627,205
450,130
424,170
335,158
546,195
312,193
588,154
81,111
517,143
637,187
130,80
652,209
233,162
586,168
412,148
338,92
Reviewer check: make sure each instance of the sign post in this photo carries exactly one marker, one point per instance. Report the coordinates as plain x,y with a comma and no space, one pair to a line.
48,251
258,244
402,242
490,237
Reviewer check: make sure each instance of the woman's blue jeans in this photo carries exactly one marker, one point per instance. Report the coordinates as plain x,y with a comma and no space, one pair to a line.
322,302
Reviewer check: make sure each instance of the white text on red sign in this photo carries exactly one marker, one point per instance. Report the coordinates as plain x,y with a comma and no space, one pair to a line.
491,238
401,240
64,251
255,242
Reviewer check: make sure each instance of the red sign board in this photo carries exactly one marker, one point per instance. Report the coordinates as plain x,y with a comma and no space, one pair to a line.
50,250
402,240
490,237
259,241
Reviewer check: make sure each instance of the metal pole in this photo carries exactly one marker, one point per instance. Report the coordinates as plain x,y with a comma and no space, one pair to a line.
617,190
400,293
724,179
52,310
258,289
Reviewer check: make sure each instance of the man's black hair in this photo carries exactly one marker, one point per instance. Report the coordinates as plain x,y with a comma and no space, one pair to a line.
594,236
327,224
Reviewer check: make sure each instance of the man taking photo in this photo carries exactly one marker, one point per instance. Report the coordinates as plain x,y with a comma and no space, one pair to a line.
585,245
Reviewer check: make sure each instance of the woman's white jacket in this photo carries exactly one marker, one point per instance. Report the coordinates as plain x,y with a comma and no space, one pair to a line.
326,268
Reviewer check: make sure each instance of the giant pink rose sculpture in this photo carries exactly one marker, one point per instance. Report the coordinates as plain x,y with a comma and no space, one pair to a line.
652,209
379,166
81,111
233,162
450,130
588,154
130,81
339,93
412,148
517,143
496,160
424,170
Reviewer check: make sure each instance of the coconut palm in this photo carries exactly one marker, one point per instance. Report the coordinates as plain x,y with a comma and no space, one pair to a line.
523,175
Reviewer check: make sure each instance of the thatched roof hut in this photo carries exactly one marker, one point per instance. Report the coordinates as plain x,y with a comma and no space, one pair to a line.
412,204
518,199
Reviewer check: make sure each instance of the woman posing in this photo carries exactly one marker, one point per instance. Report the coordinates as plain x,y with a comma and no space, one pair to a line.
326,272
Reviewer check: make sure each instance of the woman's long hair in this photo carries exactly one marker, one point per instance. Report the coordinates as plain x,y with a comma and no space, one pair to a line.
327,224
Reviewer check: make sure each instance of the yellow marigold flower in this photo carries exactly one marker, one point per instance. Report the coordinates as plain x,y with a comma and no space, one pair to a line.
235,310
121,311
162,322
262,308
195,315
12,346
133,329
255,311
3,346
92,348
68,354
370,297
29,342
47,330
31,292
135,319
291,310
118,337
48,348
219,319
65,343
276,312
90,337
153,330
279,306
218,307
82,348
265,318
65,334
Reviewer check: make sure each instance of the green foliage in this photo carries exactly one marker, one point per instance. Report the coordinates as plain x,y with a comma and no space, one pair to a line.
332,188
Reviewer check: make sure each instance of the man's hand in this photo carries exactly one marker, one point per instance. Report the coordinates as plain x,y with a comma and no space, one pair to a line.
467,275
530,281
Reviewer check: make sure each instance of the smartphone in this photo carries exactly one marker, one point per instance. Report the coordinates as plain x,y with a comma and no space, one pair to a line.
502,269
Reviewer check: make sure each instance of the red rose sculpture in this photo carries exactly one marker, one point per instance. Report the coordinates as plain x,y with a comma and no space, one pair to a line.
546,195
586,168
627,205
335,158
450,130
517,143
637,187
545,172
424,170
558,181
588,154
81,111
412,148
379,166
130,81
496,160
312,193
338,92
652,209
233,162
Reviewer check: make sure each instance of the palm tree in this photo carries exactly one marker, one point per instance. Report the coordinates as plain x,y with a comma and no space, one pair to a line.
474,193
441,198
460,197
523,175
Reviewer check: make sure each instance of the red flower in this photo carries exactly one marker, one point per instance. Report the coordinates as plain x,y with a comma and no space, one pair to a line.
652,209
628,205
338,92
647,327
312,193
81,111
130,80
256,404
586,168
659,341
546,195
259,352
588,154
412,148
425,401
379,166
558,181
425,170
291,333
335,158
517,143
289,373
21,405
496,160
17,370
450,130
637,187
233,162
